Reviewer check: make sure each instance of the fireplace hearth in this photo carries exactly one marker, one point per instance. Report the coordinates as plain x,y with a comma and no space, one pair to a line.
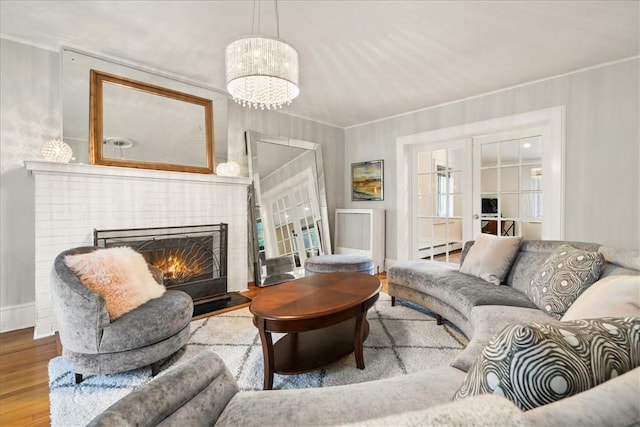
193,259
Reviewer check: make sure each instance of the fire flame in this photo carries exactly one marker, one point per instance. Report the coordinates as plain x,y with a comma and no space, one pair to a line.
176,268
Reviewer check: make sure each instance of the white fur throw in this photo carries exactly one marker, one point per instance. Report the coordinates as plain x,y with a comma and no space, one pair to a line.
120,275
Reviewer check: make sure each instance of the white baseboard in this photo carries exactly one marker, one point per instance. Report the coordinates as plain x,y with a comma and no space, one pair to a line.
17,316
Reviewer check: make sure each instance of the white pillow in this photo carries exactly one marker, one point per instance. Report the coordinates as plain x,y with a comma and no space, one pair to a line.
613,296
490,257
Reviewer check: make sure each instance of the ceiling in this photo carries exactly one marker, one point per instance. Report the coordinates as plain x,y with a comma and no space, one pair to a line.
360,61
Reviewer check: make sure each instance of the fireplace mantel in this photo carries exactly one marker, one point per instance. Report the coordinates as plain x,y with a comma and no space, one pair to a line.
71,200
34,166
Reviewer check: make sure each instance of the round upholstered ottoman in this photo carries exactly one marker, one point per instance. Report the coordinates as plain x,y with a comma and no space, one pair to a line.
338,262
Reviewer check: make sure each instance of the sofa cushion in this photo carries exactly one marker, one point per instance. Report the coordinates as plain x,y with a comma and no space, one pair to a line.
119,275
612,296
486,410
461,291
613,403
330,406
626,258
563,277
536,364
490,257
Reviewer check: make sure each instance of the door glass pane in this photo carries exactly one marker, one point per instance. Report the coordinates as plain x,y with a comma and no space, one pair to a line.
531,204
439,158
510,152
490,226
489,154
489,183
440,232
531,177
425,228
425,205
425,184
455,182
509,179
489,205
508,205
531,149
457,205
510,227
455,159
455,230
424,162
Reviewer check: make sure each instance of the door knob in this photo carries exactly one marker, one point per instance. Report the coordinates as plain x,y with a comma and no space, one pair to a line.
476,216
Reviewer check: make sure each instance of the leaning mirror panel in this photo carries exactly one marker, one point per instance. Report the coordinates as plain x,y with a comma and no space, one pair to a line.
290,216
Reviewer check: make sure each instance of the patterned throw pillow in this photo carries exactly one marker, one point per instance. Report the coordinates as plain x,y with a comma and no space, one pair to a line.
563,277
535,364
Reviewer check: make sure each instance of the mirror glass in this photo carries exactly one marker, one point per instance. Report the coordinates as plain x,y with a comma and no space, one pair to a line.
290,216
172,130
140,125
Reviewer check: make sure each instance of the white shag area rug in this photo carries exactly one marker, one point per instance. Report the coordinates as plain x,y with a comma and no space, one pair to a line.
402,339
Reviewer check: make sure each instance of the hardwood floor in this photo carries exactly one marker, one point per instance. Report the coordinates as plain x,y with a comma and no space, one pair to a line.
24,382
24,378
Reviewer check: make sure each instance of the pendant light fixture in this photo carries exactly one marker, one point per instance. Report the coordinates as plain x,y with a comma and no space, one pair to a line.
262,71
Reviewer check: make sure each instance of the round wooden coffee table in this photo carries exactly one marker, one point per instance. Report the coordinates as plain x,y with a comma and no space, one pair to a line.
324,317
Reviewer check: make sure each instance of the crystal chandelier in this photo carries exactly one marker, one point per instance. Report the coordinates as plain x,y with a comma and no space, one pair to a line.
261,71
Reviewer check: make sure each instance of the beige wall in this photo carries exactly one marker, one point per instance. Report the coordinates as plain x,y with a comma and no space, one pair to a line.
602,186
30,105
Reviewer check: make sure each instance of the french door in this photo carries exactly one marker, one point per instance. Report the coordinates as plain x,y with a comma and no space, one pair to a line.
508,174
442,198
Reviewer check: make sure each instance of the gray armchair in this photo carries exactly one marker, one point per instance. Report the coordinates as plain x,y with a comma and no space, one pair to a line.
95,345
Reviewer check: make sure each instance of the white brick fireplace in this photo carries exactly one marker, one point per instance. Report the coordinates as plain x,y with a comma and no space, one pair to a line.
71,200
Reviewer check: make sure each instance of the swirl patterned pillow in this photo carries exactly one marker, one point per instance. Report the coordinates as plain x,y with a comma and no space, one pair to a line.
535,364
563,277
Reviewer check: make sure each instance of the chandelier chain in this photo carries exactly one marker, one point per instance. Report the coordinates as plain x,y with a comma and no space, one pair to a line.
253,18
277,20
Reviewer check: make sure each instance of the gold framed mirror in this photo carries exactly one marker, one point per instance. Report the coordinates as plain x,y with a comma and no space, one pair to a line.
171,131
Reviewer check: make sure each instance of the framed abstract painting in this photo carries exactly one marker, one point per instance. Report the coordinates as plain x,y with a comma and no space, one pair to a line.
367,180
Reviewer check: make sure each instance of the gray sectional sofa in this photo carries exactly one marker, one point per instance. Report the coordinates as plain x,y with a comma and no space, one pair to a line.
481,311
204,392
